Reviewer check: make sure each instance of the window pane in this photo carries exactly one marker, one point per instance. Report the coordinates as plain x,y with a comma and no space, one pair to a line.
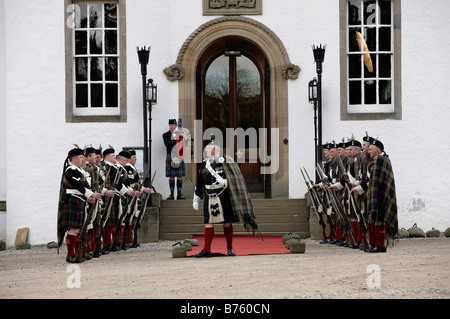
354,66
110,15
217,93
110,42
385,92
111,68
96,95
81,95
355,92
81,69
354,12
370,36
80,15
248,94
370,12
354,39
385,11
95,42
111,95
95,15
96,69
385,39
370,64
370,92
384,64
80,42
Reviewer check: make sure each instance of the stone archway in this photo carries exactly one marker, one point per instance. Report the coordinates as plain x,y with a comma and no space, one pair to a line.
281,69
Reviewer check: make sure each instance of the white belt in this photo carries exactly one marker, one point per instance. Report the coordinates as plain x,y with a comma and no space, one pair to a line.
74,192
214,186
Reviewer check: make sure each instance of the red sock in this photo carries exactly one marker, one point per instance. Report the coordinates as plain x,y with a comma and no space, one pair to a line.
70,241
76,244
228,232
371,234
356,231
381,236
107,236
209,235
129,235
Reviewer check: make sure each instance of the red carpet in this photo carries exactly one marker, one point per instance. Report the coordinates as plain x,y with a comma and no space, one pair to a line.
242,245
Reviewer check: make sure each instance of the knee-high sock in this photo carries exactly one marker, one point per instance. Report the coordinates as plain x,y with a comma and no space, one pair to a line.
381,236
171,185
228,232
372,234
70,242
179,186
356,231
106,236
209,235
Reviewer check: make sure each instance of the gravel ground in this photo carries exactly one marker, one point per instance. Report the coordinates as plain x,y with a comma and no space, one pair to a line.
416,268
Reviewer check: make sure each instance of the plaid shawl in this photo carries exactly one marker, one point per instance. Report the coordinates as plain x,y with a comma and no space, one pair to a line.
239,196
381,195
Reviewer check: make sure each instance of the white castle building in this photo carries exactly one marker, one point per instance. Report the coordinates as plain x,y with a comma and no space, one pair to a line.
69,74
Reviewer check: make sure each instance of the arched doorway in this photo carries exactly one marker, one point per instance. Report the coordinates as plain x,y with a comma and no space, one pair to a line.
231,82
212,39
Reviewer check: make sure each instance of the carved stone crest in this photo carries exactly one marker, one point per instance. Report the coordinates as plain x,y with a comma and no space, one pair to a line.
232,7
290,71
174,72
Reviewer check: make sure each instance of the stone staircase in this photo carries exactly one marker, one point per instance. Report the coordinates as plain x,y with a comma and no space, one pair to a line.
178,220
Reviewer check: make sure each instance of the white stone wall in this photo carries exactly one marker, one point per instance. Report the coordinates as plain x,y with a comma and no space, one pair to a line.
32,93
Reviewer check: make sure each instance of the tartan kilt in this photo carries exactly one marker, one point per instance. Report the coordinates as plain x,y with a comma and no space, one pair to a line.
228,215
72,213
174,172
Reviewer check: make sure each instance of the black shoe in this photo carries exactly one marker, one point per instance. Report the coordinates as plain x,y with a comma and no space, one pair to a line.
231,252
203,253
70,259
377,249
170,197
181,197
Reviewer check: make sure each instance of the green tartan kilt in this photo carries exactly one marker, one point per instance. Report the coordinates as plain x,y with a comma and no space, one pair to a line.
72,213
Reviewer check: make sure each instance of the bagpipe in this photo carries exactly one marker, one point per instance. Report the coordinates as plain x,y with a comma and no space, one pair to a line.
182,140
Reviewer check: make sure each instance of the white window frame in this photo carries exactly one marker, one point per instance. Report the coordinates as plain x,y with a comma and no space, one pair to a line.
85,111
377,107
96,114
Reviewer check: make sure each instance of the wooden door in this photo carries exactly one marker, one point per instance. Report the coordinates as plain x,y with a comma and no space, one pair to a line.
233,98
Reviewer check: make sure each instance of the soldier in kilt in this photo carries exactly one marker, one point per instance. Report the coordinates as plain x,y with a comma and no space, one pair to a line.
135,181
361,186
381,198
226,198
75,192
120,188
175,168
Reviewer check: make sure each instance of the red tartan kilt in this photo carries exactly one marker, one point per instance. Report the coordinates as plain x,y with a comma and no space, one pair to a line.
72,213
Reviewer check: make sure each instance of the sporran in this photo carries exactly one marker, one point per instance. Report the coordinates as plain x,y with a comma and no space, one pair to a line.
215,209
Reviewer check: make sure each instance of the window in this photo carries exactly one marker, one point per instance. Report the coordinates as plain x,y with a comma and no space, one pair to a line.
96,62
370,58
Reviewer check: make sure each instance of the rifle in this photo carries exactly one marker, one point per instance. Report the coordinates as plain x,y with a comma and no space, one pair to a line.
83,233
356,207
327,206
347,226
126,220
105,215
138,219
117,229
318,205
